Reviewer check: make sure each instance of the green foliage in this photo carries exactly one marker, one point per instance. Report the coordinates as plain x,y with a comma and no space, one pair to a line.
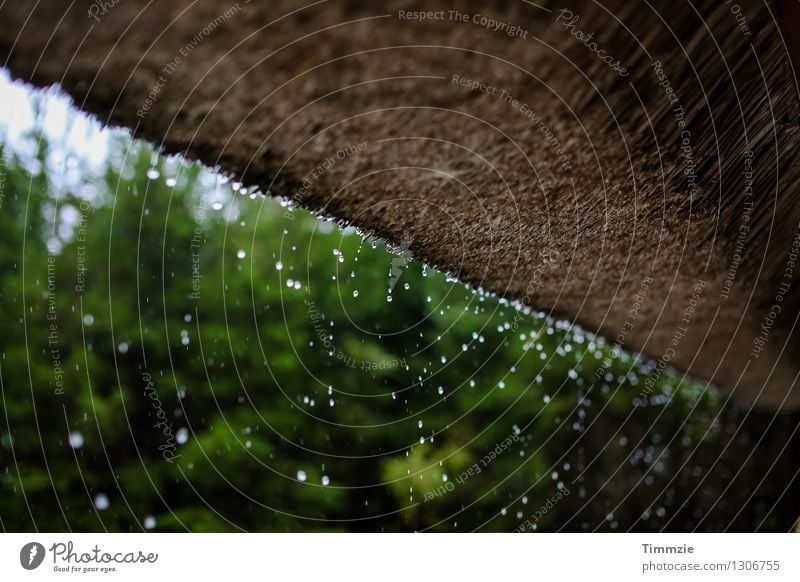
233,364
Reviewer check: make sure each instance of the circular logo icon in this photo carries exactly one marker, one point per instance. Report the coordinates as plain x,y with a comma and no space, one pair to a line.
31,555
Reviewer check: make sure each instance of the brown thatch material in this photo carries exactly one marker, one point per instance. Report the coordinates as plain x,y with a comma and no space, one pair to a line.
644,191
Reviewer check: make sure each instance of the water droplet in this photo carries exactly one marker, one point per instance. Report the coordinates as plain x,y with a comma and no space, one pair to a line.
388,298
149,522
241,254
75,439
101,501
182,436
326,480
301,476
153,174
88,319
355,293
123,348
279,266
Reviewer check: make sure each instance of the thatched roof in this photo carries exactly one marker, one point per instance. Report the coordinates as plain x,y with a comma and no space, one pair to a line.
638,181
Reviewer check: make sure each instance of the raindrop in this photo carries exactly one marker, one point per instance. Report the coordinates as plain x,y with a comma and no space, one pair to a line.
101,501
182,436
301,476
241,254
326,480
75,439
149,522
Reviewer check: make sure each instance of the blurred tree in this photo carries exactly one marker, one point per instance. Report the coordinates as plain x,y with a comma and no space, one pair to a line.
178,353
